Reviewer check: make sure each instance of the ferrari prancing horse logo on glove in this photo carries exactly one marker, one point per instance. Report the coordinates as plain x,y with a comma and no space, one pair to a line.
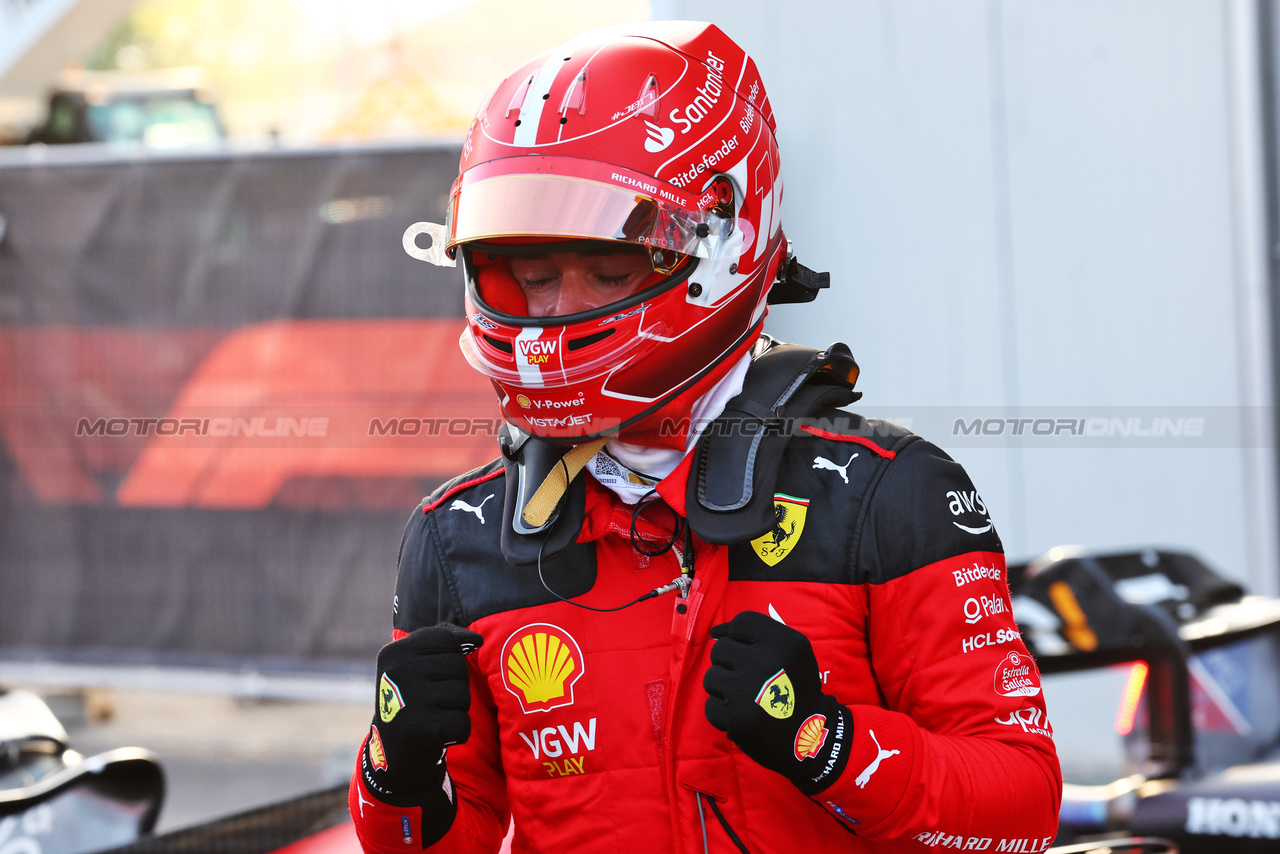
389,700
777,697
788,524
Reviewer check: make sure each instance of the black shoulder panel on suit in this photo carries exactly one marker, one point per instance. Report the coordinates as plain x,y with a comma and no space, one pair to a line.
825,487
451,564
925,510
863,501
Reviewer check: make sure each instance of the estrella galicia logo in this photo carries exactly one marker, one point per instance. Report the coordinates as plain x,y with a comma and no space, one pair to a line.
659,137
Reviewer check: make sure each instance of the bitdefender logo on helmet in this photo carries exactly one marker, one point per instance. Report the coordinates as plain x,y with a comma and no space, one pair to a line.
659,137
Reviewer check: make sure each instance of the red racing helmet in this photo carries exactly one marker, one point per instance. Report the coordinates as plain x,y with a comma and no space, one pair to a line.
658,135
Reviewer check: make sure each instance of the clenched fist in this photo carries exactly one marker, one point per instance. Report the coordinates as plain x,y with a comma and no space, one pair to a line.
764,690
423,698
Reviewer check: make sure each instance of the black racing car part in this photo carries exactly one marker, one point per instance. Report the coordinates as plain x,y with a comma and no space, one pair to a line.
256,831
1113,631
1229,812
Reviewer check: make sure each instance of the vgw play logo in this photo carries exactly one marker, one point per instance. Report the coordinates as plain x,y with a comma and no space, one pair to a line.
537,352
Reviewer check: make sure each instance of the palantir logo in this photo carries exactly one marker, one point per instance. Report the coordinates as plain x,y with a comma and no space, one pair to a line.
659,137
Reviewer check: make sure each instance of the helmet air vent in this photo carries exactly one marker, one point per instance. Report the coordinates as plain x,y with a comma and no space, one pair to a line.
504,346
588,340
575,97
648,97
517,100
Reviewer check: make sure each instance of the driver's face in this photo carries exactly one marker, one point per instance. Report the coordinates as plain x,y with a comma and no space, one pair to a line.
560,283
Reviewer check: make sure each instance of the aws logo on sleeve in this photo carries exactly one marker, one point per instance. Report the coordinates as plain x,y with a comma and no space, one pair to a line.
789,513
964,502
540,665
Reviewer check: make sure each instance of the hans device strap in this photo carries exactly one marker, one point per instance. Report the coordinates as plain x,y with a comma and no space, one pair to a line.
730,497
731,488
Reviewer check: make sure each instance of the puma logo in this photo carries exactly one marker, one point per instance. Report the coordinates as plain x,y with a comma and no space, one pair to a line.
459,504
881,755
361,801
824,463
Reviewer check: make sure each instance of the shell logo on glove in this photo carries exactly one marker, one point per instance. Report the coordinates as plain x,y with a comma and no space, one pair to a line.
540,665
377,754
810,737
777,697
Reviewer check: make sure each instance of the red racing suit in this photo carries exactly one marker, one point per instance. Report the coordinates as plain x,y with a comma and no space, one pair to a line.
588,729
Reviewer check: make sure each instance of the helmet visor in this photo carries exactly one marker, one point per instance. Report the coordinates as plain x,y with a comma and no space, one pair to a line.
558,205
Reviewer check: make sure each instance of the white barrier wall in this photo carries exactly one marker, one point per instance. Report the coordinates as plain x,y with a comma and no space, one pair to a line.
1050,208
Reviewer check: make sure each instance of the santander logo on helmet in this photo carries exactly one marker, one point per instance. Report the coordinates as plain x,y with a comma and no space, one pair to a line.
659,137
618,136
708,95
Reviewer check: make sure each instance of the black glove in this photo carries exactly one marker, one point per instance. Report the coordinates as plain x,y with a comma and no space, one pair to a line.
765,692
421,708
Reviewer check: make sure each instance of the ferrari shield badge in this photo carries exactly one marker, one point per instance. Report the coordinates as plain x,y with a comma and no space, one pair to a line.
788,524
777,697
389,700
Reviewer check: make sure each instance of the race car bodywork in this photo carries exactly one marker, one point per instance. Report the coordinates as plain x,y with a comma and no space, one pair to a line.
1200,714
53,800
